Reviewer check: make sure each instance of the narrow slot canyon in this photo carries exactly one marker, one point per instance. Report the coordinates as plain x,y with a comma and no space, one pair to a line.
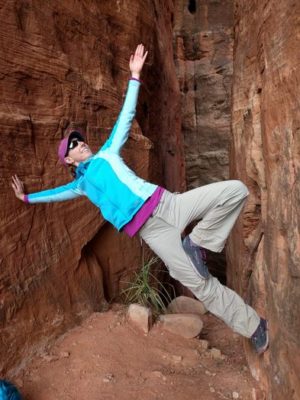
219,100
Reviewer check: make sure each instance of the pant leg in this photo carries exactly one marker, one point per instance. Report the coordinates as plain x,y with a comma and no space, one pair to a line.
164,239
218,205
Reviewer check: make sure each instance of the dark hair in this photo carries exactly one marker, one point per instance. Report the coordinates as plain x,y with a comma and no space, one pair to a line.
72,170
8,391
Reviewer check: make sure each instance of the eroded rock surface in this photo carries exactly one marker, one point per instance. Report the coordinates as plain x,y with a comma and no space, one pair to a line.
264,252
67,62
203,40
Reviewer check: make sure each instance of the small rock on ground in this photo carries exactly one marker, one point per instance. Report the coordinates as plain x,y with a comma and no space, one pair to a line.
216,354
186,325
140,316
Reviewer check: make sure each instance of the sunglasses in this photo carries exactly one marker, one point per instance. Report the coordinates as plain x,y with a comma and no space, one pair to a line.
74,143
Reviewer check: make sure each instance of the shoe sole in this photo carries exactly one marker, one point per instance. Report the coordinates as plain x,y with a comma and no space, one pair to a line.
195,267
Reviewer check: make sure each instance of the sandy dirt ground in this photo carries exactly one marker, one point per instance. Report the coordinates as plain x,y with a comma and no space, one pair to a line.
109,359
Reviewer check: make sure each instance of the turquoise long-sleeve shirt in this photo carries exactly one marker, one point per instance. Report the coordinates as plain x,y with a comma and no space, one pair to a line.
104,178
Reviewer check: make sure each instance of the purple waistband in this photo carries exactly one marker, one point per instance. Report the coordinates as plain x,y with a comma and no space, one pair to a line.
133,226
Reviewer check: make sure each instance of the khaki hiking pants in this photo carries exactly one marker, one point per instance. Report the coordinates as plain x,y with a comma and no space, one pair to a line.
218,206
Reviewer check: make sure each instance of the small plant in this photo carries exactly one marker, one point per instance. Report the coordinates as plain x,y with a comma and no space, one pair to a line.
147,290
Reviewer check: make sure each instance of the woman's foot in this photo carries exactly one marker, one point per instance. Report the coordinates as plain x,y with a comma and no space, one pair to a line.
197,255
260,338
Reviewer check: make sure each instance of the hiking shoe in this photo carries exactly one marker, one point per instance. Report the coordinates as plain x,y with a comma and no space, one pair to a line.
260,338
197,255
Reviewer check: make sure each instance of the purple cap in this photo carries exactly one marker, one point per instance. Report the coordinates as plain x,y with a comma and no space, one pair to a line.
64,144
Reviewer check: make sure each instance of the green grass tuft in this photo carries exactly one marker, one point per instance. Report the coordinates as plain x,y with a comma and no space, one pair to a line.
147,290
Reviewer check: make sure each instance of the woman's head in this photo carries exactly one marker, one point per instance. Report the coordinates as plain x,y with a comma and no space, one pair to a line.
73,149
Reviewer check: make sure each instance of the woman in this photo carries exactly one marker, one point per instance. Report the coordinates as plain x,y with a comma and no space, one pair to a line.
158,216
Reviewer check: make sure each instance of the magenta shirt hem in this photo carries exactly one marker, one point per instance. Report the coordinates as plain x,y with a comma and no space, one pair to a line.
133,226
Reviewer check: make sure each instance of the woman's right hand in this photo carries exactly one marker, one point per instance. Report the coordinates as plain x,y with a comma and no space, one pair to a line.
137,60
18,187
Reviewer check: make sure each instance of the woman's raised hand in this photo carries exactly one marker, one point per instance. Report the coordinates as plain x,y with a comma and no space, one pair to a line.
18,187
137,60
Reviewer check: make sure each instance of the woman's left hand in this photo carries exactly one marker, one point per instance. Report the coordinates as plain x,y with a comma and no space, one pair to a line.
18,187
137,60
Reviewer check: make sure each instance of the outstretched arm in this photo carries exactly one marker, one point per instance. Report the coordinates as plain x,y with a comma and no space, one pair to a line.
122,127
60,193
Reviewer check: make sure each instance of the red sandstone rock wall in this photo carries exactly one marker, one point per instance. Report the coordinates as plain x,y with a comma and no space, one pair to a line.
203,46
61,62
264,251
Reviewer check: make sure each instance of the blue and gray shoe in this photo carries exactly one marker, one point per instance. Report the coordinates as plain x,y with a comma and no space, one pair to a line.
260,338
197,255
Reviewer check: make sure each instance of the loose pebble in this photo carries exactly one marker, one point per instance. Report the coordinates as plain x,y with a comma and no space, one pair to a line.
176,359
49,357
108,378
216,353
64,354
203,344
158,374
210,373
